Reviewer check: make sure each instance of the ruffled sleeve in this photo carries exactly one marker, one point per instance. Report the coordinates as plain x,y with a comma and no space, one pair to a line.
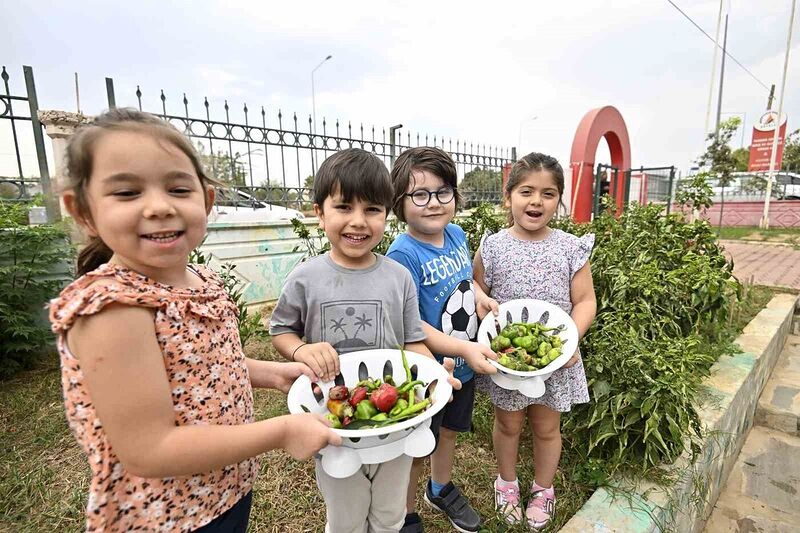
110,284
581,252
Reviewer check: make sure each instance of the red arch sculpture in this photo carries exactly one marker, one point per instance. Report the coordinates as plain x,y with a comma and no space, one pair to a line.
598,123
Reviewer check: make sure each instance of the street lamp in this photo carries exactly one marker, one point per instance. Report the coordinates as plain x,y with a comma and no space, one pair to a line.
313,95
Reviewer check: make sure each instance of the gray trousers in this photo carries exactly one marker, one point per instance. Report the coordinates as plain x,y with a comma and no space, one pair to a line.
373,500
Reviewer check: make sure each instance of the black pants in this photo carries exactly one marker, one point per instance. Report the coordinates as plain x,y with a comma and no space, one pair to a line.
234,520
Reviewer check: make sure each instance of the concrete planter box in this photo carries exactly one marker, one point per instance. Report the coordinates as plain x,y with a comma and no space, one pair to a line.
733,390
262,252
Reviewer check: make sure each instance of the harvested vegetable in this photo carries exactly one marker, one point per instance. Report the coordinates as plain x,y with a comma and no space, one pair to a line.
375,402
527,347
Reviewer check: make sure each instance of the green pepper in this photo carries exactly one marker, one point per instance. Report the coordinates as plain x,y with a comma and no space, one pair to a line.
334,420
556,341
553,354
494,344
405,365
365,410
509,332
523,342
398,407
408,385
380,417
504,342
388,379
544,347
411,410
504,360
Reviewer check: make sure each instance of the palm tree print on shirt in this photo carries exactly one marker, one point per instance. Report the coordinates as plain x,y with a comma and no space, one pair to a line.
352,325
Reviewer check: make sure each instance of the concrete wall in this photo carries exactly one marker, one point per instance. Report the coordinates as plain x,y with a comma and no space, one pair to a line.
262,252
782,213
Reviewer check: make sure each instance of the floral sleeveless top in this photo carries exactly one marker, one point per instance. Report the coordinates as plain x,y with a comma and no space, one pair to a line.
197,331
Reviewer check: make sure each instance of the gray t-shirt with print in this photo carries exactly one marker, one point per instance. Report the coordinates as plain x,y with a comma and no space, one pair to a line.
352,309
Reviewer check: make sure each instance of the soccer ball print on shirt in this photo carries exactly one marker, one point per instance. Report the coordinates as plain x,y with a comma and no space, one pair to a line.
459,318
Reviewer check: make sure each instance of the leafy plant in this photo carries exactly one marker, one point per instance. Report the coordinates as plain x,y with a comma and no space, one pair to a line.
29,258
250,325
484,219
664,289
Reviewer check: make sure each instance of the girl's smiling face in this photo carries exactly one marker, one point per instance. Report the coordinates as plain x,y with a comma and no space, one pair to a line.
146,203
533,203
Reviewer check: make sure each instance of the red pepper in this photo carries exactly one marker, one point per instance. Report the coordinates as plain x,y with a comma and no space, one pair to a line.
358,394
384,397
339,392
346,421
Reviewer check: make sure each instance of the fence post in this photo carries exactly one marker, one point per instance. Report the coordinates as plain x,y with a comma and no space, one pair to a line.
671,181
50,200
112,100
392,144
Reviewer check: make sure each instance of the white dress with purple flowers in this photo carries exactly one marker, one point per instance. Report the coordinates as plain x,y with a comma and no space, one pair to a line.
543,270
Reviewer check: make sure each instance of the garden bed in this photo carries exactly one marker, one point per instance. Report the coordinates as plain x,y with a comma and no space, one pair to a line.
731,396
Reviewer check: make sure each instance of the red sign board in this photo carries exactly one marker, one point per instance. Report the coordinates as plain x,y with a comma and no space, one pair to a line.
761,147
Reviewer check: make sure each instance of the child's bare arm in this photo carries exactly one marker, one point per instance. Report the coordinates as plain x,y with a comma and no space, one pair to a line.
275,375
321,357
130,390
449,364
473,353
584,304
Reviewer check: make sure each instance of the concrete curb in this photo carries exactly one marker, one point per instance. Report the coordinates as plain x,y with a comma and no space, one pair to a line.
732,391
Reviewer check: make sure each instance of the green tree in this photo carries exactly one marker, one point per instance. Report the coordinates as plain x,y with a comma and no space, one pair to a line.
477,183
791,152
718,157
481,179
742,157
223,167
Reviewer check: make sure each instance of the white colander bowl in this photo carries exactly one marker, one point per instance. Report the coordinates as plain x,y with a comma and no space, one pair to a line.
529,311
378,445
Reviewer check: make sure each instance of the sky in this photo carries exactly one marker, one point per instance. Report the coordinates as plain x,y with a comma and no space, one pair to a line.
500,73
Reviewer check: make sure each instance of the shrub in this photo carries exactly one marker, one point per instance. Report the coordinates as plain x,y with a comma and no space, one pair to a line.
664,289
29,259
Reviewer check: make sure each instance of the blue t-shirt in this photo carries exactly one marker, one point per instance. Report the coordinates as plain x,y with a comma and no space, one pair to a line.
443,277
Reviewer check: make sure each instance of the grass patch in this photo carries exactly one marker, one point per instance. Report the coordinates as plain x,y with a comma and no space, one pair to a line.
777,235
44,477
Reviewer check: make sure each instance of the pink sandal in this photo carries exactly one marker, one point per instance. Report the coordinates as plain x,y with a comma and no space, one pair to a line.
507,502
541,507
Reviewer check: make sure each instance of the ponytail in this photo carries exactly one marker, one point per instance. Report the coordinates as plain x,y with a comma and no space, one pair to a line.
94,254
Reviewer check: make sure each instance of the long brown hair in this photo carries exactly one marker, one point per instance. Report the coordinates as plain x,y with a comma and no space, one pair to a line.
80,157
534,162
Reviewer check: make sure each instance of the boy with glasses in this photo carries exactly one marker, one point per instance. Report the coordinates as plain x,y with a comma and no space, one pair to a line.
435,252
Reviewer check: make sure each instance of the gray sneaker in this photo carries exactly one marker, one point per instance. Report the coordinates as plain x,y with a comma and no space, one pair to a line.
458,510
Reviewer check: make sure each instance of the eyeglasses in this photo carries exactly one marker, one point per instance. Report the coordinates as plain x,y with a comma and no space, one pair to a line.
421,197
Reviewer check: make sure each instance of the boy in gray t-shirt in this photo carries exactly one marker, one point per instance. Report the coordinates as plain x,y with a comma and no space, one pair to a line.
347,300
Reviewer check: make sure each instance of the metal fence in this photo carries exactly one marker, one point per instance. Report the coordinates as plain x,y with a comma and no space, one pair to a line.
269,157
650,185
19,120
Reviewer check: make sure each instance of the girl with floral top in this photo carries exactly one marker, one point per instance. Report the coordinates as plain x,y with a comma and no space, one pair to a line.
157,389
531,260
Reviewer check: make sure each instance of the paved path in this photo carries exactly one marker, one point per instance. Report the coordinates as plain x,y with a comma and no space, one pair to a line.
762,491
768,264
